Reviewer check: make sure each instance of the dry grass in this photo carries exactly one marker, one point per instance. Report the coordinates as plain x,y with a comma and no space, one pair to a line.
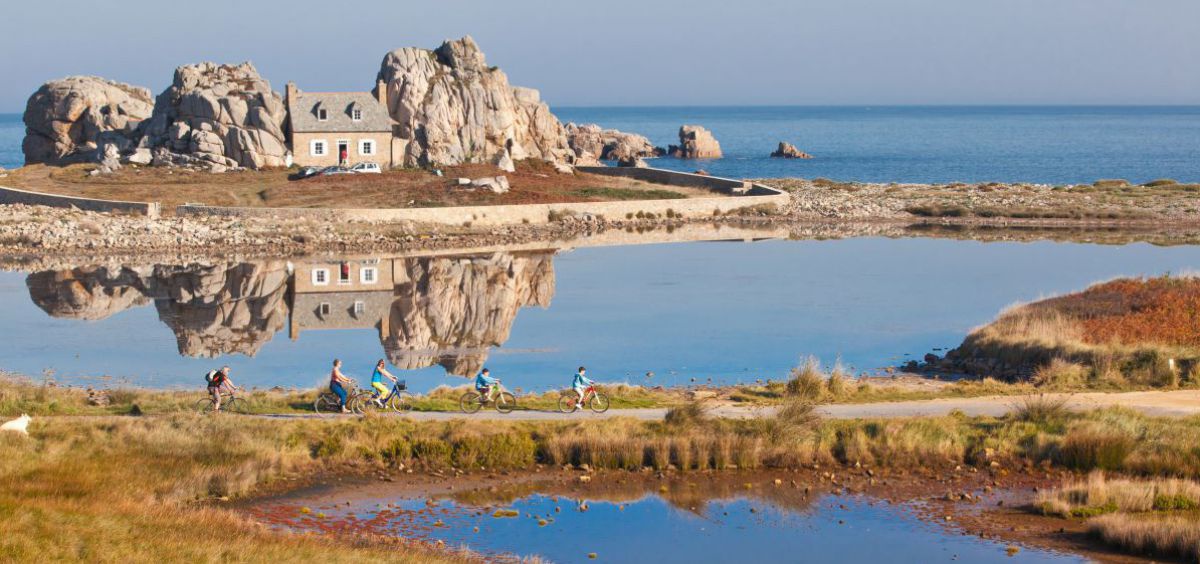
807,380
1099,494
1173,537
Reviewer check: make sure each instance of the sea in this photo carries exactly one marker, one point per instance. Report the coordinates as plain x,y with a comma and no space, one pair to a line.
1038,144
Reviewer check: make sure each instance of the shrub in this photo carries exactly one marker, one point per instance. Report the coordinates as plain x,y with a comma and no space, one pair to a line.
1041,409
1094,446
1059,373
1160,182
1173,537
836,384
938,210
1110,183
806,380
690,414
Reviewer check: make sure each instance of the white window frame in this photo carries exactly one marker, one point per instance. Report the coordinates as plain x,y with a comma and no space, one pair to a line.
325,309
349,276
320,277
373,271
360,307
356,114
322,114
322,144
366,147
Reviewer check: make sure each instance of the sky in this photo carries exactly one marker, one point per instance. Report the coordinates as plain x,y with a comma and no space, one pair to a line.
660,52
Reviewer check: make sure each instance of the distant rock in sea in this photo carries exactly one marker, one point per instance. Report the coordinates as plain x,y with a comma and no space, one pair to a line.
789,151
695,142
69,120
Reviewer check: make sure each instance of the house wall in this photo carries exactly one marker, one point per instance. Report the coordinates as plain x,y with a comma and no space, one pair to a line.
302,145
304,284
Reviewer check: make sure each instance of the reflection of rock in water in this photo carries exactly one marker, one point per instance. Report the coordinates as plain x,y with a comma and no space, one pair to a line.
449,310
225,309
91,293
213,310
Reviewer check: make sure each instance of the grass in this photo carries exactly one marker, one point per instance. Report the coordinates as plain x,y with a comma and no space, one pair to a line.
1120,333
621,194
1098,494
1173,537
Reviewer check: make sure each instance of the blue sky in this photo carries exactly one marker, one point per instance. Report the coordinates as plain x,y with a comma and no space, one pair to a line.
664,52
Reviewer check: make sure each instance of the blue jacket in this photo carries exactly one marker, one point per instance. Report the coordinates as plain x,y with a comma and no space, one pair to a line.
483,381
581,381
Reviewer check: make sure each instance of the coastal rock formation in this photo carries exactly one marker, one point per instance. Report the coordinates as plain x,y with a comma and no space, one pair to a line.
69,120
789,151
221,116
451,310
590,139
695,142
89,293
452,108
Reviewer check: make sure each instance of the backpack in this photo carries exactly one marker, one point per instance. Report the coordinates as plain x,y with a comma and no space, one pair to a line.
211,377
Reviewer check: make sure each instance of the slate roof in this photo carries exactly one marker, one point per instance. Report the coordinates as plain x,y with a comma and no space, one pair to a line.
338,106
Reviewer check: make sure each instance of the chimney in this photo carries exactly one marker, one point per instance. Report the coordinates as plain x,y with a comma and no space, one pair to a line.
292,91
381,92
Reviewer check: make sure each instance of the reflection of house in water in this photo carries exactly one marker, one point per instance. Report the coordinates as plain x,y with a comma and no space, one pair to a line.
447,310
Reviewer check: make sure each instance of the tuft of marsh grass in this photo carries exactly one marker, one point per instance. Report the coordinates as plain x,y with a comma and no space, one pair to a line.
807,380
1098,494
1173,537
1041,409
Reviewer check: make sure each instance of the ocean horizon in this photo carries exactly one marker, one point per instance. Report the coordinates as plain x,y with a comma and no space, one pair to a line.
1051,144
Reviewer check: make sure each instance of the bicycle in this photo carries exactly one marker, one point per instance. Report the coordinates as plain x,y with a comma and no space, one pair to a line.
229,402
474,400
329,402
592,399
397,400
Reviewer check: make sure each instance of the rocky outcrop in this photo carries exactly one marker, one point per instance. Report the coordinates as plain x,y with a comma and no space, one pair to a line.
451,310
88,293
695,142
453,108
222,116
590,140
70,120
789,151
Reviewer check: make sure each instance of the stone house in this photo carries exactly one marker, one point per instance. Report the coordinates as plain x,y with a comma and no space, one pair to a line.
347,294
326,124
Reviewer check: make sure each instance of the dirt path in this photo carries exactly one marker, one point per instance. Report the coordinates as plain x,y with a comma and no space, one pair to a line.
1177,403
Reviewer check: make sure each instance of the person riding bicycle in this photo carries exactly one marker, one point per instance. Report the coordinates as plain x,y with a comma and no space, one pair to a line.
381,390
580,385
486,385
218,379
338,383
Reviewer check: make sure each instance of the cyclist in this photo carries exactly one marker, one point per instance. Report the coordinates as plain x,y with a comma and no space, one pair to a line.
338,383
381,390
580,385
218,379
485,385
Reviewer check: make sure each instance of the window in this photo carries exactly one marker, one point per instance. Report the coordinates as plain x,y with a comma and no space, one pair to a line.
368,274
322,115
317,147
366,147
344,273
356,114
359,308
324,309
320,277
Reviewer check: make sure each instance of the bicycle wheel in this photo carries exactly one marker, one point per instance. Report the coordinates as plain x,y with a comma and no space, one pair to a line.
326,403
234,405
469,403
505,402
599,403
566,402
204,406
360,403
401,402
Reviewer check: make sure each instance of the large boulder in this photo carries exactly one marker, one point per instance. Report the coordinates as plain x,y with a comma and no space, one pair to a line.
789,151
695,142
70,120
590,139
225,115
452,108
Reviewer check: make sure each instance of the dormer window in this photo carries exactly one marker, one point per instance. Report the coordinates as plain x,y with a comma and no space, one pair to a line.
356,114
322,114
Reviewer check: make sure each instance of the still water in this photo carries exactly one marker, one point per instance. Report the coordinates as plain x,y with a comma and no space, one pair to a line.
695,522
683,312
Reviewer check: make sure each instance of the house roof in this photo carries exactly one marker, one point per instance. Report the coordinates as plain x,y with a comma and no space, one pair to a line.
338,107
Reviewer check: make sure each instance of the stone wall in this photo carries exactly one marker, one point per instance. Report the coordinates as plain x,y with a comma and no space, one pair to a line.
14,196
740,195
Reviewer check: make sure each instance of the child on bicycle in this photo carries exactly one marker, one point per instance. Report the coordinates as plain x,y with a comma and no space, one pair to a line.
580,385
381,390
486,385
218,379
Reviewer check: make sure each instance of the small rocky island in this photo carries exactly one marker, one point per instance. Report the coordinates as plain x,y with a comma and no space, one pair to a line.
789,151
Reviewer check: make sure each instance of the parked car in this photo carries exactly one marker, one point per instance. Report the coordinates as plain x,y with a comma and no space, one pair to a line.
333,170
308,171
366,168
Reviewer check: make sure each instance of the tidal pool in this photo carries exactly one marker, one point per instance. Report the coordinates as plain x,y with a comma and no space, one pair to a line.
770,524
663,314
